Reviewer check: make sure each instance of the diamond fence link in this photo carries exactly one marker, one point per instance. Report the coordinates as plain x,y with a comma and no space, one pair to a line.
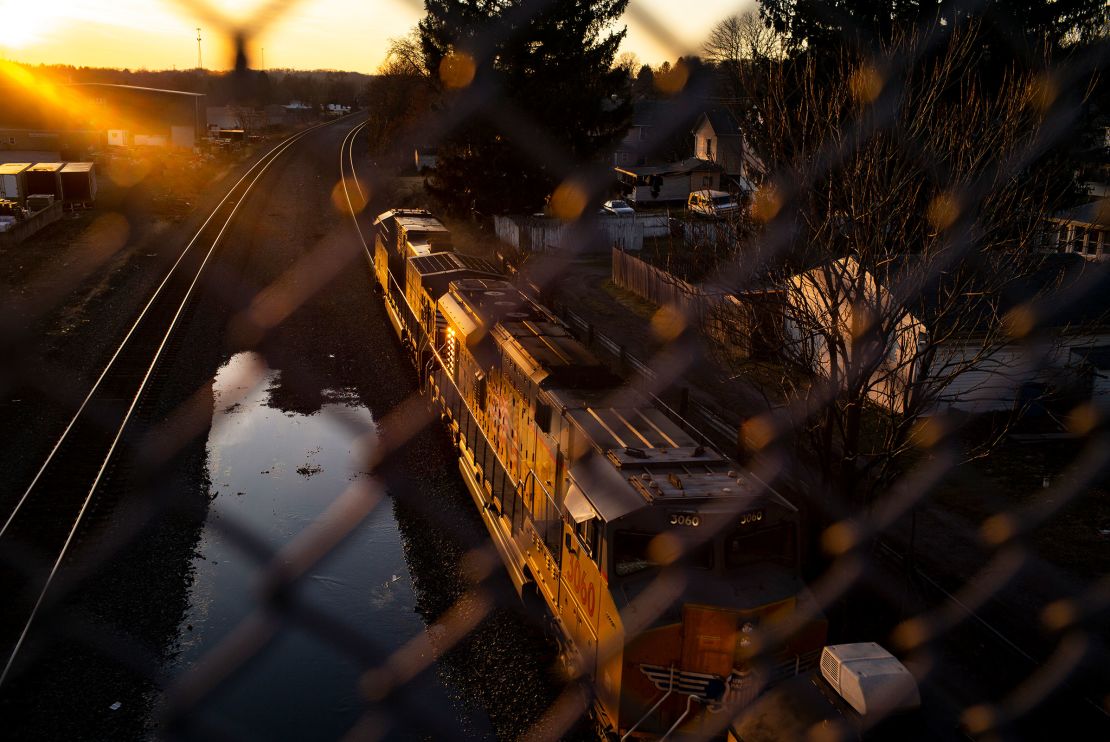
945,604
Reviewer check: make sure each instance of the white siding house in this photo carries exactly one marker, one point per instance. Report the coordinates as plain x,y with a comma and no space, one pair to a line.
839,301
1084,230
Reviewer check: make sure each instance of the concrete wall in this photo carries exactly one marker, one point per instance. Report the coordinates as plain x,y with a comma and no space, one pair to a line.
25,229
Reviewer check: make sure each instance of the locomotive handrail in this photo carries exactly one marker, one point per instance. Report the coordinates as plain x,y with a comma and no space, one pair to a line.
689,702
462,398
650,711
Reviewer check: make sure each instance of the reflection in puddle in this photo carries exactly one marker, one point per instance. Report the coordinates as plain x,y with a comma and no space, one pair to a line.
274,472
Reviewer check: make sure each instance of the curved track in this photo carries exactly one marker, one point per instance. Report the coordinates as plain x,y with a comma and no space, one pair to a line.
347,153
38,532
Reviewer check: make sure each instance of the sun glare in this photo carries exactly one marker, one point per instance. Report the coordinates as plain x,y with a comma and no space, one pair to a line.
22,23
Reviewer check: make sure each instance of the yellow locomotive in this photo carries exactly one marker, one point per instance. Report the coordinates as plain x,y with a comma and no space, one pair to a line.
659,561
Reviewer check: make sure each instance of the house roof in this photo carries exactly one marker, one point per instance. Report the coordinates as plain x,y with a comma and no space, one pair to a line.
134,87
1094,214
1064,290
723,122
1098,356
652,112
689,165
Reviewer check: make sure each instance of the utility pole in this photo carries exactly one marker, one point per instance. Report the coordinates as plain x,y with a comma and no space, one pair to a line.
200,63
262,59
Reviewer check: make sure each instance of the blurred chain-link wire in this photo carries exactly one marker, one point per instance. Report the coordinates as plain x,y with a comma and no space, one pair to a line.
942,612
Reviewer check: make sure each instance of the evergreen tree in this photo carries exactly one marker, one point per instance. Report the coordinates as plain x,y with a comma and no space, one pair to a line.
1011,30
557,100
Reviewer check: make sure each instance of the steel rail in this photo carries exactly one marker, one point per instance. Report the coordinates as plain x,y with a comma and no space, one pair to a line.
348,144
263,161
258,169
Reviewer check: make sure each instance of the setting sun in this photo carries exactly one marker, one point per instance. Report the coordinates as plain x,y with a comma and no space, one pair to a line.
23,23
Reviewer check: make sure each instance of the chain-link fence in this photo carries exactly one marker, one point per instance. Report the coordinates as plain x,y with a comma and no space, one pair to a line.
900,368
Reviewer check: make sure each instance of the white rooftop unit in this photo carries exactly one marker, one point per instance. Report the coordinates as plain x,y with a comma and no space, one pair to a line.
869,678
13,182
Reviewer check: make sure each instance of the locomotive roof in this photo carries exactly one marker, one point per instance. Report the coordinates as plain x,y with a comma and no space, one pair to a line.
412,220
548,353
450,262
653,459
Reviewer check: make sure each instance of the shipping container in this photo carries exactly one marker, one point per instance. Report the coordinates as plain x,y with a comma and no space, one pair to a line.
44,178
79,182
13,180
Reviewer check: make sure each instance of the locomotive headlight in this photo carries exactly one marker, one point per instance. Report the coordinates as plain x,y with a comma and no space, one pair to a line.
748,627
451,351
745,641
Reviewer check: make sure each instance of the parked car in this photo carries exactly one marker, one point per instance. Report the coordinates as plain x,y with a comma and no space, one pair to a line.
712,203
618,207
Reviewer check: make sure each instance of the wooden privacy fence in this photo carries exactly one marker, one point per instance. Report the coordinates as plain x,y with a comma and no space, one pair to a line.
747,323
659,286
542,233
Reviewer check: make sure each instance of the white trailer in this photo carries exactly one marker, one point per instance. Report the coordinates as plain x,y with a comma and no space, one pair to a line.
13,181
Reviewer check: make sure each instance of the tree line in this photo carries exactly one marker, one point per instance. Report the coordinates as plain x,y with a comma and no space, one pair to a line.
255,88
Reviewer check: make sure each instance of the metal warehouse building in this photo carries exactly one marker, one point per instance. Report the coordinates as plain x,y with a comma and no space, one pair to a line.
140,116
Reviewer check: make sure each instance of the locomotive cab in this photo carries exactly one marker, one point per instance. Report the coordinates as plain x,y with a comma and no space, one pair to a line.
699,565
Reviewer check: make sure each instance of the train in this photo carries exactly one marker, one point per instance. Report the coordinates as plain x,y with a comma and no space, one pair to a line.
659,564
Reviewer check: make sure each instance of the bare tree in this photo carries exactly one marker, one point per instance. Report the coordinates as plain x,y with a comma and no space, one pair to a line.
629,63
404,56
740,38
901,258
738,46
399,95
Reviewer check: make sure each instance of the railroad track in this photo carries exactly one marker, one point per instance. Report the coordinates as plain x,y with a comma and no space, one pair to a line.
347,162
38,533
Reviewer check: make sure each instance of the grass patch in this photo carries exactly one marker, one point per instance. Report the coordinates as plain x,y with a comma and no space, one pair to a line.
631,301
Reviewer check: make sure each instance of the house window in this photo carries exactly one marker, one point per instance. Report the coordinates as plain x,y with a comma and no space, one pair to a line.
708,148
1092,241
643,133
1076,240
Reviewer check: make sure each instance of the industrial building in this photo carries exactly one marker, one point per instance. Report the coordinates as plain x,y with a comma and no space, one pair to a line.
128,115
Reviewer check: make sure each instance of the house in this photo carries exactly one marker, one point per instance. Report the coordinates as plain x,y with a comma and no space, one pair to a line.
946,343
717,138
1083,230
652,121
647,185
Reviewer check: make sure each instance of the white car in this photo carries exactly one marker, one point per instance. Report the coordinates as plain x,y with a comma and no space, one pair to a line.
712,203
620,208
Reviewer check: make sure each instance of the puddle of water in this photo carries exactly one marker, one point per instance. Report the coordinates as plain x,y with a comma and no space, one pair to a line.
275,472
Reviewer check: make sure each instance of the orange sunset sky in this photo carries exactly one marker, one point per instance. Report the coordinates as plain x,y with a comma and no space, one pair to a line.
331,34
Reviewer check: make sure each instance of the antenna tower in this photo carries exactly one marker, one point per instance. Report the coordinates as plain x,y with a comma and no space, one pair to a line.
200,63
